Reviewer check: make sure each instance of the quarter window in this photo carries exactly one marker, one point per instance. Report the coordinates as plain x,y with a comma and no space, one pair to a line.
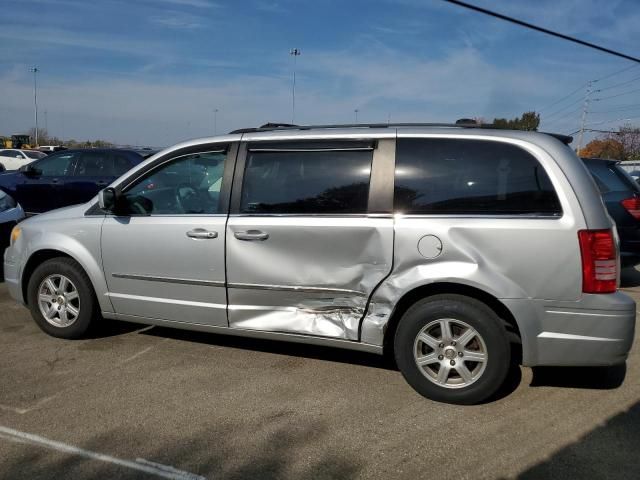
306,182
453,176
55,165
187,185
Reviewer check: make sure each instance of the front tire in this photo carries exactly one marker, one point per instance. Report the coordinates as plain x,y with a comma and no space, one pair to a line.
61,298
453,349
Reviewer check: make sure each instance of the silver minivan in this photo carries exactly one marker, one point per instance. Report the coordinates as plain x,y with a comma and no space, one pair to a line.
458,250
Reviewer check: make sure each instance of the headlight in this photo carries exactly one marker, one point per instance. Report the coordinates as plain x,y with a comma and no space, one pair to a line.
6,201
15,234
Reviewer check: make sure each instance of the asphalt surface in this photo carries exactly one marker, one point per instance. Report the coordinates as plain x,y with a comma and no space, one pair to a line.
137,402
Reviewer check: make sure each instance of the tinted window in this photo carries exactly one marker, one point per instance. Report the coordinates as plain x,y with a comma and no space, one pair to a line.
94,164
102,164
34,155
608,177
306,182
446,176
188,185
121,164
55,165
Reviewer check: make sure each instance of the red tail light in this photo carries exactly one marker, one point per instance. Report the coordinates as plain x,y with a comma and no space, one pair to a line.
633,206
599,261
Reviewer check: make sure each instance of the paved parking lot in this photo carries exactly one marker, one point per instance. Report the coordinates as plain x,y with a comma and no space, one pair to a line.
138,402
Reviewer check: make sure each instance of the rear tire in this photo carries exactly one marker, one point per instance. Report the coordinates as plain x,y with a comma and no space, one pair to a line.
452,349
61,299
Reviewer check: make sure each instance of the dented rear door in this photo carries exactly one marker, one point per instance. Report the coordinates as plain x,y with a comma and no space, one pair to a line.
310,234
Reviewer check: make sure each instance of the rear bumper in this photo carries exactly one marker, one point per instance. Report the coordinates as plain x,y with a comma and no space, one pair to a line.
598,330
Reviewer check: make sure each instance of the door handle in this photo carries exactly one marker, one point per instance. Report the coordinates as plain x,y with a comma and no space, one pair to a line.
201,233
251,235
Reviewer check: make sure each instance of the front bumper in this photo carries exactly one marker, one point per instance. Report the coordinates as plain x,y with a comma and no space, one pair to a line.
597,330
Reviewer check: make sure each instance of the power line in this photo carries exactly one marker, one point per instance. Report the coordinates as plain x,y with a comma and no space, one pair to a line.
616,73
617,95
564,98
548,117
594,130
543,30
620,109
620,84
616,120
572,112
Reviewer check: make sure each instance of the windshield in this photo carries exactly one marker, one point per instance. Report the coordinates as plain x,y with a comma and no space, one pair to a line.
34,155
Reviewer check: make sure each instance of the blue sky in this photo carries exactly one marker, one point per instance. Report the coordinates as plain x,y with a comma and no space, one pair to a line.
152,71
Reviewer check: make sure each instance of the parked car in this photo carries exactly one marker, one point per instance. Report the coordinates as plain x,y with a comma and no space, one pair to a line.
635,174
13,158
66,178
458,250
621,195
51,148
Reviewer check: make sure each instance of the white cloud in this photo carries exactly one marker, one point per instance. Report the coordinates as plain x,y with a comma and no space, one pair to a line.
177,20
192,3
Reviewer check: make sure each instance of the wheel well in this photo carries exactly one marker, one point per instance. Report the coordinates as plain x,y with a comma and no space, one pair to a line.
37,259
425,291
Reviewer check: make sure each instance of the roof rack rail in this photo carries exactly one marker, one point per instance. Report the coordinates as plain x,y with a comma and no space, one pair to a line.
463,123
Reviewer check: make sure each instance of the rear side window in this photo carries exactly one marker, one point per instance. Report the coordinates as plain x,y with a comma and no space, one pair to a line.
121,164
608,177
479,177
306,182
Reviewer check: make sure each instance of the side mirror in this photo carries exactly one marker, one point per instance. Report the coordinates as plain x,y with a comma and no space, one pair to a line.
107,199
29,170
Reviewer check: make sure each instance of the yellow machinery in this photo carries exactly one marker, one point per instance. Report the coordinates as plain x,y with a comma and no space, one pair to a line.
16,141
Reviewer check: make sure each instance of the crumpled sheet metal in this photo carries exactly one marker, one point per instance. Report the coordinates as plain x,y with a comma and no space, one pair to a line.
338,260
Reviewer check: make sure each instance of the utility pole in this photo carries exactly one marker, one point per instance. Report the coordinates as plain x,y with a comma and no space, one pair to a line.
215,121
46,122
585,112
294,52
35,98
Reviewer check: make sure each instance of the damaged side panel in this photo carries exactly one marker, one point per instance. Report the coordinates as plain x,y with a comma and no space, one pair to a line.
313,275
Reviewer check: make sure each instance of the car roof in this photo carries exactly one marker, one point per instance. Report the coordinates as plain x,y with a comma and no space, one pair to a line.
98,150
606,160
340,129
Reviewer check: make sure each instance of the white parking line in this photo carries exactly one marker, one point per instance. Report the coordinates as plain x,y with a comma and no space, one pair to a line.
136,355
140,464
22,411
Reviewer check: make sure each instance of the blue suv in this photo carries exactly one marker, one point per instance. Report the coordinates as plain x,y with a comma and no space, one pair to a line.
66,178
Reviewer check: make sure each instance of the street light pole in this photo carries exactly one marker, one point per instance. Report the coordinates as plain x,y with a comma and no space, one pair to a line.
294,52
35,98
356,112
215,121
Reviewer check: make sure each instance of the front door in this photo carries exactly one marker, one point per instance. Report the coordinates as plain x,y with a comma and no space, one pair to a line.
163,258
305,245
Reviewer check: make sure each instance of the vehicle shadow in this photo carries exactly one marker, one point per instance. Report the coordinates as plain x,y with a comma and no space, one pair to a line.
608,451
316,352
595,378
272,448
108,328
629,277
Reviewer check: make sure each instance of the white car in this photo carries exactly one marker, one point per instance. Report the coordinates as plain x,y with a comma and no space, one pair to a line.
13,159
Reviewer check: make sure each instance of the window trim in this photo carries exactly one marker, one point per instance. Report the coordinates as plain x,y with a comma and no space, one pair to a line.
231,149
250,146
507,216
